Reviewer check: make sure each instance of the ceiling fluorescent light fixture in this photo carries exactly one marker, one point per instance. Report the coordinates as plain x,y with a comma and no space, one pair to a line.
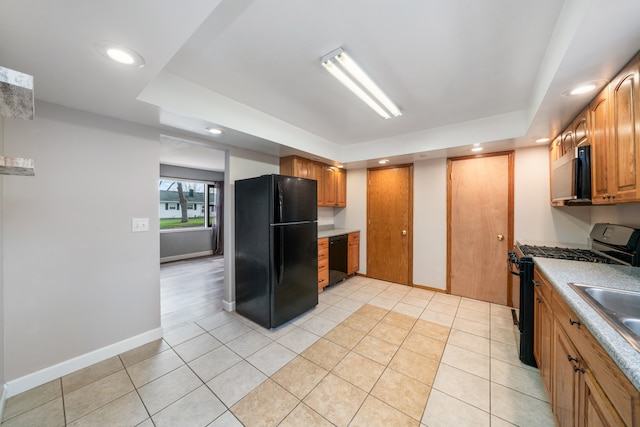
344,68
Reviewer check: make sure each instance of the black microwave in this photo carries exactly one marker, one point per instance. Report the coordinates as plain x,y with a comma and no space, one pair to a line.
571,176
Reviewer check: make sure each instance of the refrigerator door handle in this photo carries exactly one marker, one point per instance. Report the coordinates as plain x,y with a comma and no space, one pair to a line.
280,263
279,201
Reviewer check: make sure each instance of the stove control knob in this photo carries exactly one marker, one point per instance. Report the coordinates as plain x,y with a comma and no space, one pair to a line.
500,237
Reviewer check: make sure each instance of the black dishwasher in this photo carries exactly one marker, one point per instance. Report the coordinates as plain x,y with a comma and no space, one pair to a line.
338,258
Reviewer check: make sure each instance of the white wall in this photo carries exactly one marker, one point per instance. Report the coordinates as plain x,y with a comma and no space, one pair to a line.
354,216
430,223
2,319
76,279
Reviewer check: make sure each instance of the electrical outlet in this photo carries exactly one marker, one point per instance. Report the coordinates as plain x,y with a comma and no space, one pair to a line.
139,224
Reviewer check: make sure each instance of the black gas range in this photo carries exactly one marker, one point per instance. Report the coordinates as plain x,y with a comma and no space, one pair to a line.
611,244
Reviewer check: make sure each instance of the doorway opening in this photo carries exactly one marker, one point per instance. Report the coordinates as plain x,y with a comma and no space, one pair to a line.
192,183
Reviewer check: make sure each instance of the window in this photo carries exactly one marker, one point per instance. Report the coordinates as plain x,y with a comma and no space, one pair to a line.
179,204
213,193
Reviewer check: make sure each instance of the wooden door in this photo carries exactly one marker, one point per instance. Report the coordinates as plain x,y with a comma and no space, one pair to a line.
480,226
390,224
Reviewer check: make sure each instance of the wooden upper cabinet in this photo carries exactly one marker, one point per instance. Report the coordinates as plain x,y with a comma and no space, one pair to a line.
555,152
295,166
624,138
335,186
330,186
341,188
581,129
614,117
316,171
332,181
555,149
568,141
599,135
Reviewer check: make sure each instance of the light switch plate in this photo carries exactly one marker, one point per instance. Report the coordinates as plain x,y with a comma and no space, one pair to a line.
139,224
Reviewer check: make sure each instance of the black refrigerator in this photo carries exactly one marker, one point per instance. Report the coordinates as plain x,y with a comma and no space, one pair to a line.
276,248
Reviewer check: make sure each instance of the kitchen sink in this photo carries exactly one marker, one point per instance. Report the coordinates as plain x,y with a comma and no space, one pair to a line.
633,324
619,307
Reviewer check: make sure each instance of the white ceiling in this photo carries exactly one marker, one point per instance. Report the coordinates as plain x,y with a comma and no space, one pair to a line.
462,71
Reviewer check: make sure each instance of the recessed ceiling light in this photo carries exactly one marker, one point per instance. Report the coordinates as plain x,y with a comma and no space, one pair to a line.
477,144
583,88
214,131
341,166
476,149
120,54
383,161
542,140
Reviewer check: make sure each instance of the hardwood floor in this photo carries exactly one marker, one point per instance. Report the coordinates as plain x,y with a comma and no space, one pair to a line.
190,290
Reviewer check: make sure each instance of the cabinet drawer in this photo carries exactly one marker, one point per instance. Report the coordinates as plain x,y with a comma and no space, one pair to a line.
323,243
323,254
354,237
323,273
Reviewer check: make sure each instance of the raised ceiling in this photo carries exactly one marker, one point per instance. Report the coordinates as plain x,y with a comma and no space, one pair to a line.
462,72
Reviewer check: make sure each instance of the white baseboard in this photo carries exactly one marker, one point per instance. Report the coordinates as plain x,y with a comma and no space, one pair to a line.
185,256
228,306
43,376
3,400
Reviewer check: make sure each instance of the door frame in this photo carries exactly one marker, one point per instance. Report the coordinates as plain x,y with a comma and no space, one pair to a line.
510,214
409,166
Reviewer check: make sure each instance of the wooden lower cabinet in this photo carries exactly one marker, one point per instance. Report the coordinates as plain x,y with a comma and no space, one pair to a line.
565,382
323,263
543,335
585,386
353,261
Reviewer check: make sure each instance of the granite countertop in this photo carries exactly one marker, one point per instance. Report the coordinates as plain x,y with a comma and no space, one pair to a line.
561,272
335,232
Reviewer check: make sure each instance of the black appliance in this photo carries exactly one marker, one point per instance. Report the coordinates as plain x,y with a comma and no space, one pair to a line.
611,244
276,248
338,246
571,176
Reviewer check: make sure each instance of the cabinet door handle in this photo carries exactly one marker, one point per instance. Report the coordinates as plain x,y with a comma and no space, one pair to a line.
576,369
574,322
538,299
572,359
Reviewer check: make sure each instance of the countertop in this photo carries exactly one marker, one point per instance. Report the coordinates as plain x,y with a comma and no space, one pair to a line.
561,272
335,232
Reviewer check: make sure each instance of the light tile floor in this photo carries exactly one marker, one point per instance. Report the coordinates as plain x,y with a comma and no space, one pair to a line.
371,353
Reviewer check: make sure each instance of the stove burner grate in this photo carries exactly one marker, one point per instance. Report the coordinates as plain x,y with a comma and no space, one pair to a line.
565,253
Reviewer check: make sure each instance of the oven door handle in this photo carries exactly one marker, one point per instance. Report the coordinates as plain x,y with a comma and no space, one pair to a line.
512,260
